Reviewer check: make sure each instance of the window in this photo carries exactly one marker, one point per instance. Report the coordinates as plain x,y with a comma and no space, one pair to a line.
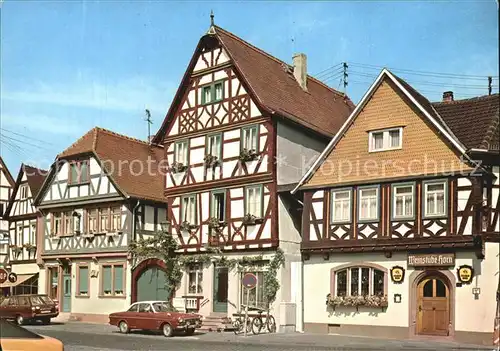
256,296
83,281
134,308
116,219
435,199
53,282
195,280
218,208
389,139
19,235
368,204
250,139
253,201
103,219
214,145
79,172
341,206
92,220
181,152
354,281
189,209
68,223
403,203
1,210
212,93
23,190
112,279
33,233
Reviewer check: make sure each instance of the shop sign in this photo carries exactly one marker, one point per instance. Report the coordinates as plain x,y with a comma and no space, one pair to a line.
433,260
397,274
465,274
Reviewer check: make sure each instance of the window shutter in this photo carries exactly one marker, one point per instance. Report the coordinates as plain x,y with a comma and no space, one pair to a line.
83,280
118,279
106,279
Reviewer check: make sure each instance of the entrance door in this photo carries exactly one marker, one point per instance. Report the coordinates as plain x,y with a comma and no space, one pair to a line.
433,307
152,285
220,289
66,297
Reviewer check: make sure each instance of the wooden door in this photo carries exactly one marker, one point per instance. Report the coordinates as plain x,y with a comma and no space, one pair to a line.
220,289
66,303
433,308
152,285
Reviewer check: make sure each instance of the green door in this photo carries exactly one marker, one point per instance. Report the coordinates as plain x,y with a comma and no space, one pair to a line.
66,295
220,289
151,285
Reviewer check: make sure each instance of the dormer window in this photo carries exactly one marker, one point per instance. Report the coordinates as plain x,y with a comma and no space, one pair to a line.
212,93
387,139
79,172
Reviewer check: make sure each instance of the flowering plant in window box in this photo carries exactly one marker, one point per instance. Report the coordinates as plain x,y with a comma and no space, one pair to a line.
357,300
251,219
215,223
211,161
30,248
213,240
178,167
16,250
248,155
186,226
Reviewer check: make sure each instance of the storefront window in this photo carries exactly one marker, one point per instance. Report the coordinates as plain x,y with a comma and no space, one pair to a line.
364,281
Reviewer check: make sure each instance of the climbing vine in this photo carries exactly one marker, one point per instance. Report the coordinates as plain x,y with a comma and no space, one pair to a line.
163,246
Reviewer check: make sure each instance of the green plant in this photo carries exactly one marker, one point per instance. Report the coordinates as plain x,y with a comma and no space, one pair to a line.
178,167
248,155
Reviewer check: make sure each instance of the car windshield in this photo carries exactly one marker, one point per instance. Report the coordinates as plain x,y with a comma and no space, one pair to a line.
163,307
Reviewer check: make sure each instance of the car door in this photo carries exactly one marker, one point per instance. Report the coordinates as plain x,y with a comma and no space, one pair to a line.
146,316
4,308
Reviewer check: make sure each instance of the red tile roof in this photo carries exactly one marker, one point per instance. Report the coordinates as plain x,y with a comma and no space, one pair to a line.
35,177
125,160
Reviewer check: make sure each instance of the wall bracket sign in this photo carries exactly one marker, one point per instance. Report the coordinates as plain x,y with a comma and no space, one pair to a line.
465,274
397,274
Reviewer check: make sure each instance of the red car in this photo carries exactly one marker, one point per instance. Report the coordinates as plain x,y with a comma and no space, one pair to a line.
155,315
25,308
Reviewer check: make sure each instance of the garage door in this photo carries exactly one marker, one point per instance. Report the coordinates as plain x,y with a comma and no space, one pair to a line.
151,285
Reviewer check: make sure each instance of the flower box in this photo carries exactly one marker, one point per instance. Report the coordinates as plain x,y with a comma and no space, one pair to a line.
178,167
248,155
216,224
250,219
211,161
370,301
186,226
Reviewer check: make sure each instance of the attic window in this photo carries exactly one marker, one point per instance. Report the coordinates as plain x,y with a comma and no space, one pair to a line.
23,190
79,172
387,139
212,93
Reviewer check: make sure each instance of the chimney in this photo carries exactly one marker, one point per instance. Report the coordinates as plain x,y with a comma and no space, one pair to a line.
447,96
300,69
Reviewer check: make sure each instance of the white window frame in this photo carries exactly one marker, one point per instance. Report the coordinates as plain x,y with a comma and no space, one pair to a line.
212,140
213,210
394,200
254,138
258,201
333,195
193,218
23,191
371,278
199,287
32,239
360,197
445,198
386,140
178,146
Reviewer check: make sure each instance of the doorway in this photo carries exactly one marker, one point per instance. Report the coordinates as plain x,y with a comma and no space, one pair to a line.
220,289
433,306
152,285
66,294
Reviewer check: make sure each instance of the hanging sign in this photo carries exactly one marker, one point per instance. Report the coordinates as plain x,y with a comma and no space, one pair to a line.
397,274
465,274
434,260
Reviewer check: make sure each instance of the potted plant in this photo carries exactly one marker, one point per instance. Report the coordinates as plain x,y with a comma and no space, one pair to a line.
16,250
211,161
178,167
186,226
251,219
248,155
30,248
215,223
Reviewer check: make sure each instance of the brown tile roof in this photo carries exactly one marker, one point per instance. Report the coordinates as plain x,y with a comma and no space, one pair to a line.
120,156
3,167
321,108
475,122
35,177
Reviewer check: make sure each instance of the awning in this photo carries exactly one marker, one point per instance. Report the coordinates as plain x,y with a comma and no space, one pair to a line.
21,278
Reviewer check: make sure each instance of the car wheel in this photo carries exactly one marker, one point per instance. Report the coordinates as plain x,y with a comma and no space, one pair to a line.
190,331
19,320
167,330
123,327
45,320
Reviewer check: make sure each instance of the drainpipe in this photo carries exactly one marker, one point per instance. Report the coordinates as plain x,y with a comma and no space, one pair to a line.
134,210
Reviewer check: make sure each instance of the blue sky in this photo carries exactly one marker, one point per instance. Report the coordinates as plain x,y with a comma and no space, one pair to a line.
68,66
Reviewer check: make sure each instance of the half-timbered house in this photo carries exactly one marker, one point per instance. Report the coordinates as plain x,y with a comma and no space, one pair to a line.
6,185
25,226
401,218
101,193
238,133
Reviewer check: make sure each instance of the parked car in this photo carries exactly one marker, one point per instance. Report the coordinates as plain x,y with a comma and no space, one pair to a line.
15,338
25,308
155,315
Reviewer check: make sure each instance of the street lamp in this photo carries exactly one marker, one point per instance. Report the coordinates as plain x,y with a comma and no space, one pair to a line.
165,226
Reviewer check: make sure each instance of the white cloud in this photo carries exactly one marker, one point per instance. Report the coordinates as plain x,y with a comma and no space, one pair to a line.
134,94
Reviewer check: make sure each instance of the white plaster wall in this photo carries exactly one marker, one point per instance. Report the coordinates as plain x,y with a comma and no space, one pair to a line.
25,268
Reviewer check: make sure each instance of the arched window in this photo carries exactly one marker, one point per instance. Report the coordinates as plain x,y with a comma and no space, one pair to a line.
359,280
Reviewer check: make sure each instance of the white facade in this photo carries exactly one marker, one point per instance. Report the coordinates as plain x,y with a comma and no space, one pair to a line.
6,186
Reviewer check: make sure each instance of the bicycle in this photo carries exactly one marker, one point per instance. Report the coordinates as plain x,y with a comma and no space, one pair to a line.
239,323
258,323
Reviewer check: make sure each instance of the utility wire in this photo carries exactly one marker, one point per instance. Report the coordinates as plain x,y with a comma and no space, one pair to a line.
26,136
327,69
22,141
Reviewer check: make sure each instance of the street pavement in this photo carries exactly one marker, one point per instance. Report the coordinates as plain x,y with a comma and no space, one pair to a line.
78,336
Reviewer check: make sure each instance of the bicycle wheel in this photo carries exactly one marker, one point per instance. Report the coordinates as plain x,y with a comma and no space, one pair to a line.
256,325
271,324
238,326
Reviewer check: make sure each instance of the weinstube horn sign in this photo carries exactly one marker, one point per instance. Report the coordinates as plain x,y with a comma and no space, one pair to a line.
432,260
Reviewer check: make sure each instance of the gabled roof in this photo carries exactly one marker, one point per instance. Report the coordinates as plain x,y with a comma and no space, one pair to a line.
428,109
34,177
273,86
119,156
3,167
